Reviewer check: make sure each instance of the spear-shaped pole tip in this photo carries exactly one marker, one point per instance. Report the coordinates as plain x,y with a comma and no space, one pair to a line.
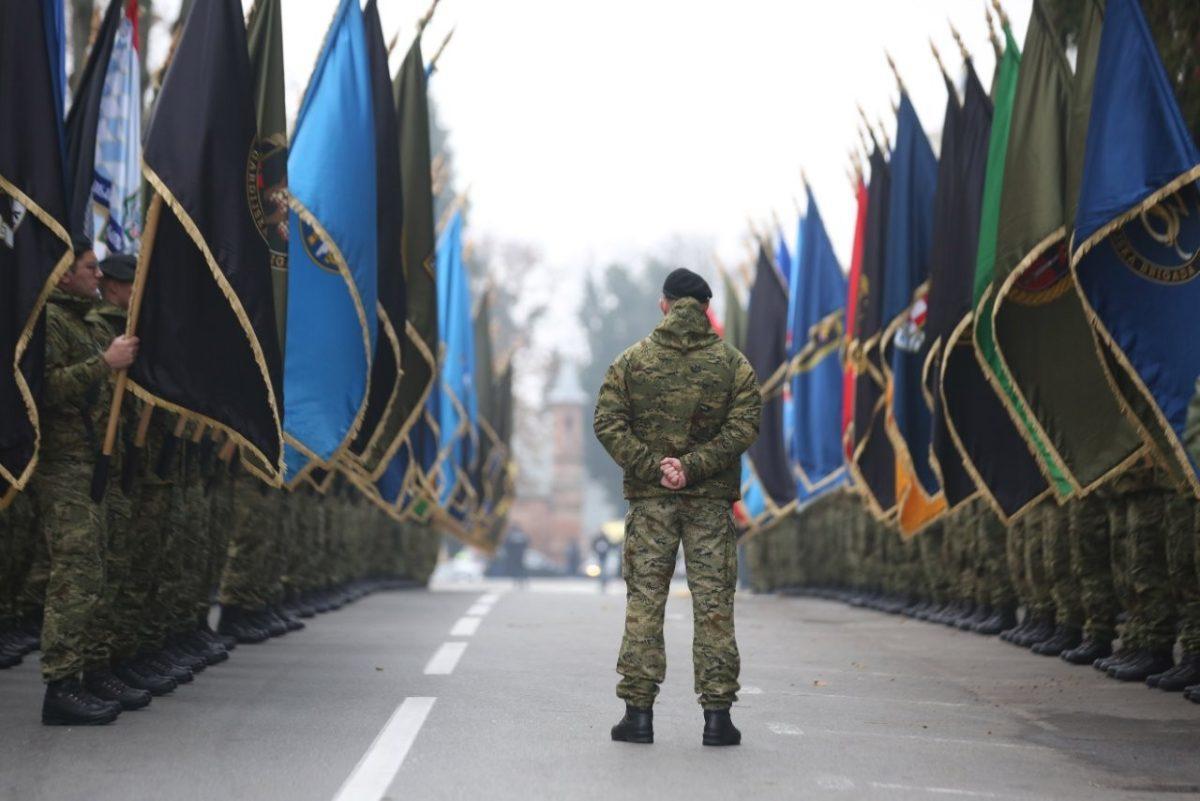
428,15
1000,13
895,72
938,58
441,49
962,47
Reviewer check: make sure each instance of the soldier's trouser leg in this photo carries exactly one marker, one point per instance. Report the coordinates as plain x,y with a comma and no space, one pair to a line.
1088,533
654,529
1014,551
75,529
1041,603
1181,562
1056,553
150,566
930,543
1151,611
33,573
997,576
1118,543
113,624
248,545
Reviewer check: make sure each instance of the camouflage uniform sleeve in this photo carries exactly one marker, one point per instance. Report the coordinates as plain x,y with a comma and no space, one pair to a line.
1191,433
68,385
613,424
738,432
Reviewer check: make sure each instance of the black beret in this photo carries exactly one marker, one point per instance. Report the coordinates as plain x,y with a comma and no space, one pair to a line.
683,283
119,267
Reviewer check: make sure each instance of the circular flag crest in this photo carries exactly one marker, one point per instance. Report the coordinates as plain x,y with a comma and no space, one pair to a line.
1044,281
267,195
1162,244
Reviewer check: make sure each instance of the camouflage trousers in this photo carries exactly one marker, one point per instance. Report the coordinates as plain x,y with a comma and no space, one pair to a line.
251,566
931,542
654,528
115,626
1183,518
1040,602
1141,553
76,532
995,586
1088,532
1056,556
19,553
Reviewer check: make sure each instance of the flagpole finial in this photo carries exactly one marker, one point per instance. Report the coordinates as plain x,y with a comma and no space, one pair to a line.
395,40
1003,17
938,58
775,218
895,72
962,47
441,49
883,139
992,37
804,178
870,131
428,15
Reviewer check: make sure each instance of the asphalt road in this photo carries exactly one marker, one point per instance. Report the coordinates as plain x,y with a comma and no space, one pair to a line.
370,702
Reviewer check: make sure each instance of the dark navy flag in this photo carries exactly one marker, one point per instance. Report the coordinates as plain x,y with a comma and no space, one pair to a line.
1136,252
914,170
818,290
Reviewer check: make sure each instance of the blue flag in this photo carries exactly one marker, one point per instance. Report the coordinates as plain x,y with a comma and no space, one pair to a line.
332,251
1136,250
907,257
454,402
816,324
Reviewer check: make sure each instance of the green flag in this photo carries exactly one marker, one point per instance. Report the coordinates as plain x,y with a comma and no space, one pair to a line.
268,192
1024,96
1043,340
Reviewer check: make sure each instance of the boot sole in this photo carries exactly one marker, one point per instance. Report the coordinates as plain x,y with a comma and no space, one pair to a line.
635,740
716,742
56,720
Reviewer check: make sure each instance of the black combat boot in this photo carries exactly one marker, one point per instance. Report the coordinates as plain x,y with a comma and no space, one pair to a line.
67,703
206,633
1180,677
1192,693
292,622
636,727
1145,663
982,612
236,623
193,644
180,657
105,685
1041,629
1088,652
163,665
719,729
1104,663
14,642
10,655
1001,619
265,621
1065,638
1016,630
153,683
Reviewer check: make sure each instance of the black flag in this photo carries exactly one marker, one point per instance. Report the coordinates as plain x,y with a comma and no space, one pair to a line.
766,349
874,462
34,245
207,323
955,241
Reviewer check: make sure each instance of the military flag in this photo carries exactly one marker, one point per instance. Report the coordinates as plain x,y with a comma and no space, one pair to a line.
1136,248
1043,341
104,136
410,451
489,450
735,314
264,35
332,251
391,302
873,463
853,289
993,450
914,171
206,318
35,248
453,402
766,349
955,242
818,289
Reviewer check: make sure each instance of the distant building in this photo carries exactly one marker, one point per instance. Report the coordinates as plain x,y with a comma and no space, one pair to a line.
551,510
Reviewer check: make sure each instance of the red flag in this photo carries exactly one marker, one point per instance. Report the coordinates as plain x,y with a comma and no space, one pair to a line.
856,259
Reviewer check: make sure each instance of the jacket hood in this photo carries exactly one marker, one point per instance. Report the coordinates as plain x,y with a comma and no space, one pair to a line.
685,328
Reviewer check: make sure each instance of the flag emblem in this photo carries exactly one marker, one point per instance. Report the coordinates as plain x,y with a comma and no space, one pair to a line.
266,192
12,214
1044,281
1162,243
317,248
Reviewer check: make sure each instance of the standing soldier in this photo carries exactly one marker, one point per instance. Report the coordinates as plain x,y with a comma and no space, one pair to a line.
74,410
676,412
1192,442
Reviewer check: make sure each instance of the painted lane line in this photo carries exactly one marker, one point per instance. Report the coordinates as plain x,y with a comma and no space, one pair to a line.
933,790
479,610
489,598
466,626
378,767
446,658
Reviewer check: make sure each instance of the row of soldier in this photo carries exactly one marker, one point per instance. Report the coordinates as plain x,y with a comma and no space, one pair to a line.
1110,580
118,594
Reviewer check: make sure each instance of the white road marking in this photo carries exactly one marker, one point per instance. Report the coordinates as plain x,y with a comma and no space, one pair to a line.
479,610
785,728
489,598
750,689
374,773
446,658
466,626
933,790
829,782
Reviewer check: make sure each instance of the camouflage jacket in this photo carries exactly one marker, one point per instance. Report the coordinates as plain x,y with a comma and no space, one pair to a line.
680,392
1191,433
78,387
